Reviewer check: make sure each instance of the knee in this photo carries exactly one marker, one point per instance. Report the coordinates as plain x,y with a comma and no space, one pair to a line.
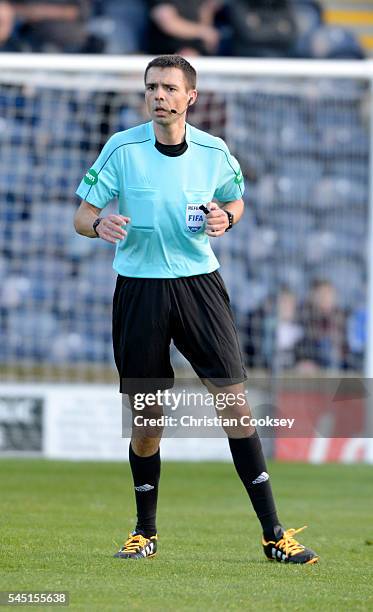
144,447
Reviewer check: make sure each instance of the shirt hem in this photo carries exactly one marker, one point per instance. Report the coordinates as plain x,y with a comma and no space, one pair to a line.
160,275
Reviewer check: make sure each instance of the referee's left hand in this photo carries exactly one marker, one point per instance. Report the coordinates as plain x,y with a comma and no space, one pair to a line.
217,221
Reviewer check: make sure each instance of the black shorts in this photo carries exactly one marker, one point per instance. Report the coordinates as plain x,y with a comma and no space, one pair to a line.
193,311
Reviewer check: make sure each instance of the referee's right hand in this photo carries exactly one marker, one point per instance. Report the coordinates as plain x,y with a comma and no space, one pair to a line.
111,229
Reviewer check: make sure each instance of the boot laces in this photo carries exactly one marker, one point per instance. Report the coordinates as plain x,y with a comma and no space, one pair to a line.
134,543
289,544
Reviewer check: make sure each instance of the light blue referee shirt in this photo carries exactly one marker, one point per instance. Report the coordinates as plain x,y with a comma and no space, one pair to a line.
162,195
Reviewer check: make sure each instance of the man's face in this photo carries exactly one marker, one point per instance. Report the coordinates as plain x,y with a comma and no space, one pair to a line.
166,89
325,298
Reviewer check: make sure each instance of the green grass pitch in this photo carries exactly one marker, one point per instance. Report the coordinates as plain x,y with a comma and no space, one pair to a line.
59,520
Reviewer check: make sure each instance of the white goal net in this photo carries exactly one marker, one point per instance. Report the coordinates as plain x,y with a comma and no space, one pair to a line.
295,266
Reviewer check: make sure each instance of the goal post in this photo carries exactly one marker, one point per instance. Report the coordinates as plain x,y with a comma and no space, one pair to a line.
301,130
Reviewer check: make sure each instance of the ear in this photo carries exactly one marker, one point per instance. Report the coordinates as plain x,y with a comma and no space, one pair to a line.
192,97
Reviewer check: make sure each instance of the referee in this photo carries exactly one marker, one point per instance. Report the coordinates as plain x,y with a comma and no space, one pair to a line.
168,286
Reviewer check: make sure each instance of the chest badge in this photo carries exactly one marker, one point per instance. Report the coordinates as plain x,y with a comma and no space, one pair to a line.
195,218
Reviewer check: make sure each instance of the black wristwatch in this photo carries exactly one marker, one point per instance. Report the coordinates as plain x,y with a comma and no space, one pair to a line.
230,219
96,222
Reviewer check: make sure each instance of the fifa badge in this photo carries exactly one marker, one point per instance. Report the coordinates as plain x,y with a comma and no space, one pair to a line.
195,218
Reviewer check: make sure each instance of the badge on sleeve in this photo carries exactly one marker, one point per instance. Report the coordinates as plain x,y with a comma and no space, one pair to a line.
91,177
195,218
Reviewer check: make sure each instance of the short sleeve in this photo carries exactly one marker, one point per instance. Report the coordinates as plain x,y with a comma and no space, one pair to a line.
101,182
230,181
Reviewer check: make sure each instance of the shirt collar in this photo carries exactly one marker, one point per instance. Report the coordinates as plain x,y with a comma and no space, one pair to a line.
152,133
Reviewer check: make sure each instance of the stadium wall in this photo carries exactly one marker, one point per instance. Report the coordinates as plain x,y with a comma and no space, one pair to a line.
80,422
83,422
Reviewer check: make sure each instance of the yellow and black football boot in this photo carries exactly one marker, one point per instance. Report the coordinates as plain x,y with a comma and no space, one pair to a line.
285,548
138,547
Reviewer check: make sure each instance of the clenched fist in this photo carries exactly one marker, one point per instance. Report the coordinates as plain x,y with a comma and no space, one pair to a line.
111,229
217,221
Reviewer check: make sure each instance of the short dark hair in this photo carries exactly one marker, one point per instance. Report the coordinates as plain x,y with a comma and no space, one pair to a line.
317,283
175,61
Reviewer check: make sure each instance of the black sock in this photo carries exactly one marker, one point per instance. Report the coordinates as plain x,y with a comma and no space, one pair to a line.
146,472
251,466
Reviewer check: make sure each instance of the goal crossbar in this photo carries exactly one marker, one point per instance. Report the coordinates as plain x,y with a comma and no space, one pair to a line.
135,64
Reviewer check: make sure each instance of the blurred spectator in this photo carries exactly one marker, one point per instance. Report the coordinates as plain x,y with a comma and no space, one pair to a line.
274,333
324,323
357,337
308,17
289,331
56,26
334,42
183,27
262,28
122,25
7,19
260,336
